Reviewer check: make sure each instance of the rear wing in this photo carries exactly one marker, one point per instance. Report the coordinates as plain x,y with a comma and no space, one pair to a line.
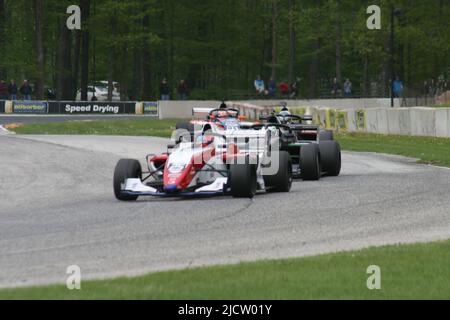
303,127
251,111
265,117
201,111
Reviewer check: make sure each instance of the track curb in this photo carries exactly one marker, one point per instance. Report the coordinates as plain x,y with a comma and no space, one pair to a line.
4,131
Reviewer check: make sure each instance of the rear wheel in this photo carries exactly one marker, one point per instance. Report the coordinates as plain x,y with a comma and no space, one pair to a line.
185,128
242,178
330,154
126,169
326,135
310,162
282,180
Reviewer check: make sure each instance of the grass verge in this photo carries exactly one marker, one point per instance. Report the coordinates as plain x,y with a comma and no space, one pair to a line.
135,127
418,271
446,105
429,150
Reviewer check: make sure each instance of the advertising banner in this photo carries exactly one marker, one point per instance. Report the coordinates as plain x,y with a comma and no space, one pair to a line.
129,107
92,107
151,109
53,107
330,119
30,107
361,120
342,120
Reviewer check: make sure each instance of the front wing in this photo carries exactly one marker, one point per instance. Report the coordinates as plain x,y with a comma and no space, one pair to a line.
135,187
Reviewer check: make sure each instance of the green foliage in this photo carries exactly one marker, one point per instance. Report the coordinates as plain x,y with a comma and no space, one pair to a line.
225,44
427,149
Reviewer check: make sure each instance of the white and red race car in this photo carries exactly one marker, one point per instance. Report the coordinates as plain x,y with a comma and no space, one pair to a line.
223,159
221,120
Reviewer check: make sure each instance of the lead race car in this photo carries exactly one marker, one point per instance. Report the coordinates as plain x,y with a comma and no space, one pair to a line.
218,120
223,159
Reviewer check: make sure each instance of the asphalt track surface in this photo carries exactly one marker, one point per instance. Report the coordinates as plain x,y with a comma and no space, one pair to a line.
57,209
8,119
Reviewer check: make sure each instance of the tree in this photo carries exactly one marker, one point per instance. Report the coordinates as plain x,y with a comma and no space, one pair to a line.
219,46
3,18
85,14
338,31
274,38
292,41
65,83
39,13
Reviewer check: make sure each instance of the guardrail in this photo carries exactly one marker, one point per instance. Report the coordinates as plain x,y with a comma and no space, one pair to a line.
417,121
178,109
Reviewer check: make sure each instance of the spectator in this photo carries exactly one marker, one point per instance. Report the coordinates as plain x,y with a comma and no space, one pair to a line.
50,94
260,86
348,88
164,90
284,89
272,88
12,90
26,90
183,90
441,84
432,88
426,88
335,88
3,90
397,88
295,88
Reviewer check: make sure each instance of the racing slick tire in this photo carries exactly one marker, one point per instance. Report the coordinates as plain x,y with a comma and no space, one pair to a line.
126,169
242,178
187,126
326,135
282,180
310,162
330,154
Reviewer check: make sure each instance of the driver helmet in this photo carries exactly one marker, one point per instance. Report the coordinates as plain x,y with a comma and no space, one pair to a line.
285,112
222,114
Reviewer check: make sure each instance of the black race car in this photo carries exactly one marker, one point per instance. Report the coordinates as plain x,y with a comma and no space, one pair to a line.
314,151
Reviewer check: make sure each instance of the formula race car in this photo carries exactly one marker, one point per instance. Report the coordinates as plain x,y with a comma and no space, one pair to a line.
313,151
234,162
218,120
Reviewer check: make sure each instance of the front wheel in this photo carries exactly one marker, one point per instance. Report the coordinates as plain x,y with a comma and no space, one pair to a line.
126,169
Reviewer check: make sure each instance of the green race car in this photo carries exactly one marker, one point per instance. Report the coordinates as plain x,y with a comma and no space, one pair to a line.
313,151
